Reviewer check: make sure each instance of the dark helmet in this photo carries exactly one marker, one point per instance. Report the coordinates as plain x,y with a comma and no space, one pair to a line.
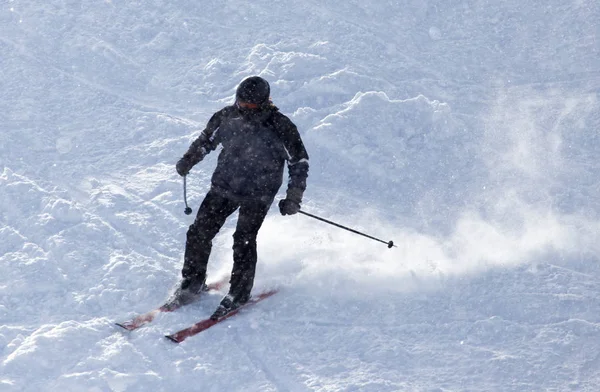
254,90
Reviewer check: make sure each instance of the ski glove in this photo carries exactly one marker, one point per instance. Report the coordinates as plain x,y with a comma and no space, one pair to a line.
183,167
288,207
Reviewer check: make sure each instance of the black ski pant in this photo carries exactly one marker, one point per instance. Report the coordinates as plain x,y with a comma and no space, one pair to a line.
211,216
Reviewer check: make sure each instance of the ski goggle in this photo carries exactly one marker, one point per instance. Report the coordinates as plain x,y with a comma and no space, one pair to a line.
247,105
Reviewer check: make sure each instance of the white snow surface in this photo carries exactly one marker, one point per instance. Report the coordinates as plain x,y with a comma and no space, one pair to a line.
465,131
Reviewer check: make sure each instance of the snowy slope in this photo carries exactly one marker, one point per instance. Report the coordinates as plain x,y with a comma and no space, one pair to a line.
465,131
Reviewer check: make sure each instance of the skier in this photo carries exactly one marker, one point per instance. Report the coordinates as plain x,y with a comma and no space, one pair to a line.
256,140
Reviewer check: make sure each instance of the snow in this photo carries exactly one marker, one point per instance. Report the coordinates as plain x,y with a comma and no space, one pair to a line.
464,131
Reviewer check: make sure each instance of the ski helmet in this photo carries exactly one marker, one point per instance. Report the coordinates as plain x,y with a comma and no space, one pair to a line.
253,90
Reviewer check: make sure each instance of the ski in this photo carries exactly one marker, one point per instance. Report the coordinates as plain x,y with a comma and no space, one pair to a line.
203,325
148,317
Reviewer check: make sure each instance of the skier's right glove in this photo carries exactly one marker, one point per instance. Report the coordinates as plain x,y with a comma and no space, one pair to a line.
183,167
288,207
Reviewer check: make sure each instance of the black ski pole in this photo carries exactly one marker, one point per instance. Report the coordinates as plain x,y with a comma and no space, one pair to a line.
389,244
187,210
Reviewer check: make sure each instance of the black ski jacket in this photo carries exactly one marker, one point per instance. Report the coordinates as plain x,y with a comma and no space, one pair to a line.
256,143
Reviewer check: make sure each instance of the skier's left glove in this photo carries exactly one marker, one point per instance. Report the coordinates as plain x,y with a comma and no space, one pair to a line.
291,204
288,207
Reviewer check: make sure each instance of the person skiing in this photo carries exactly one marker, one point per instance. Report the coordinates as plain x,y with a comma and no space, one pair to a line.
257,140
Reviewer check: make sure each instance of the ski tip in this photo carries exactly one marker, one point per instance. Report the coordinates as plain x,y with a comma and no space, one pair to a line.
127,327
172,338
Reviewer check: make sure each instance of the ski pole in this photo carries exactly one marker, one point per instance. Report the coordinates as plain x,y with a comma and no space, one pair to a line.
187,210
390,244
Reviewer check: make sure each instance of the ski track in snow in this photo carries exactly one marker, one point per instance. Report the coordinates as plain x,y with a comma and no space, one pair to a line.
262,363
464,132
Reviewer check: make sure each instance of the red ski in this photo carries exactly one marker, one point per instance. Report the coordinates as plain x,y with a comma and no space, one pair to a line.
203,325
146,318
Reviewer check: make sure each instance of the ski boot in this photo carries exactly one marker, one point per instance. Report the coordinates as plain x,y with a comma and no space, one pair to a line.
189,290
228,304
